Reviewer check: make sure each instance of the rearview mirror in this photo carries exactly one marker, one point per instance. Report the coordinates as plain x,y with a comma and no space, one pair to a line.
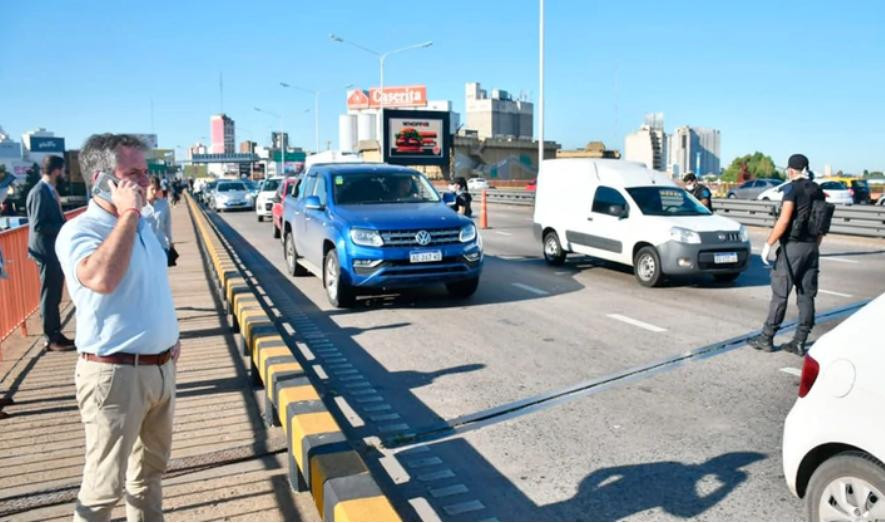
276,198
312,203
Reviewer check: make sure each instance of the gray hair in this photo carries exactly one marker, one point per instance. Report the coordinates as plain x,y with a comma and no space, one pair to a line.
99,153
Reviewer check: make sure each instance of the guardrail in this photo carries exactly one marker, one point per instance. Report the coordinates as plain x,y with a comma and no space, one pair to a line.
856,220
320,457
20,293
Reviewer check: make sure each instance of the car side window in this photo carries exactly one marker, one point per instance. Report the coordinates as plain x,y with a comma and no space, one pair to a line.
293,187
307,186
320,191
605,199
746,185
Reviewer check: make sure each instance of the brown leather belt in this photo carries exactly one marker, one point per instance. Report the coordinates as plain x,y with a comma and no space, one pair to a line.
124,358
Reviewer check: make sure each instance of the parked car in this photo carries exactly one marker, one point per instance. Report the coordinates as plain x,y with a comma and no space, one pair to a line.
751,189
364,227
229,195
287,187
835,192
834,443
267,189
623,212
477,184
532,186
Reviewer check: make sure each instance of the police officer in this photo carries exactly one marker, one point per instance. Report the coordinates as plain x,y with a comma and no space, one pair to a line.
698,190
797,259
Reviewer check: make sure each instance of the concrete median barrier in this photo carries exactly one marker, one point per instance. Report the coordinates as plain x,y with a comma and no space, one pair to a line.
321,458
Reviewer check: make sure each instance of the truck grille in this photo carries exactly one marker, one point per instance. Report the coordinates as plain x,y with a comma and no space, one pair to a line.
408,238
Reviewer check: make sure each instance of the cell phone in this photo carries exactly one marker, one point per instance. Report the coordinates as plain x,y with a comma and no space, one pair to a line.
102,186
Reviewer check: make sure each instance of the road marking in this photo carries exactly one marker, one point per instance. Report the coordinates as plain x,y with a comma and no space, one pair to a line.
395,427
320,372
367,399
349,414
424,462
510,257
792,371
533,290
840,260
424,510
449,491
440,474
384,417
377,408
461,508
502,233
636,323
834,293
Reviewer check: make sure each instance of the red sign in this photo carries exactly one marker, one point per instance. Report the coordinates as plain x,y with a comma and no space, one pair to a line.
392,97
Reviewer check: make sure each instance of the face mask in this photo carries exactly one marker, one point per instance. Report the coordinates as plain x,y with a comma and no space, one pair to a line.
690,186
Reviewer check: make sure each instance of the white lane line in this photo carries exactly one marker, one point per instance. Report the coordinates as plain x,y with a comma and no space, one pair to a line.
792,371
840,260
510,257
636,323
834,293
533,290
502,233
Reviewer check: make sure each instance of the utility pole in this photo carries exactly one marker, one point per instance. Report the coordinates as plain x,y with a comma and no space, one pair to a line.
541,85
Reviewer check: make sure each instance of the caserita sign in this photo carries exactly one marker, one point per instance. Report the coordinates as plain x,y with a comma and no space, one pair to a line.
391,97
42,144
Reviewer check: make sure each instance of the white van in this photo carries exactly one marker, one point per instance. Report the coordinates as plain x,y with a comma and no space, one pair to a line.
623,212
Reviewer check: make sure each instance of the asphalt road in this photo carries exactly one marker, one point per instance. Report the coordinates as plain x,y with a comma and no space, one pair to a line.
563,393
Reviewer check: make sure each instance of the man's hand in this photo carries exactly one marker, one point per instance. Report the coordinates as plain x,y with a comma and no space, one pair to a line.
127,195
766,252
176,351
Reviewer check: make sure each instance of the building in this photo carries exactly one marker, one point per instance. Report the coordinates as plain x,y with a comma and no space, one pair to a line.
694,149
592,150
11,156
277,143
649,144
248,147
197,148
222,134
498,115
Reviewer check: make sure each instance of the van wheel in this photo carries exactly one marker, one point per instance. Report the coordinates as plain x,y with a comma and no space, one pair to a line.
339,292
553,252
463,289
647,267
292,257
727,277
850,486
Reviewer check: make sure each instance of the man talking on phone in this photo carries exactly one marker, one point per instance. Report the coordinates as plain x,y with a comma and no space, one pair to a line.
127,334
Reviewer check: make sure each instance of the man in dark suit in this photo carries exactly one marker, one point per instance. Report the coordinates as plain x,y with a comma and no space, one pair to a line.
45,218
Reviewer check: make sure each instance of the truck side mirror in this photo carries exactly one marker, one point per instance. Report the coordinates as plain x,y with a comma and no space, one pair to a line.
312,203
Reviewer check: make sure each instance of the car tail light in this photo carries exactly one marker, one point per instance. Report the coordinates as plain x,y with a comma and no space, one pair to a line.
810,370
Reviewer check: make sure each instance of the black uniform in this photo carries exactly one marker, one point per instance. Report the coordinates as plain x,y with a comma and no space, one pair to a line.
463,201
702,193
797,263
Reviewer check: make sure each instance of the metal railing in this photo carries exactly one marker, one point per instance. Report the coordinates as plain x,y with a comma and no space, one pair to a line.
857,220
20,293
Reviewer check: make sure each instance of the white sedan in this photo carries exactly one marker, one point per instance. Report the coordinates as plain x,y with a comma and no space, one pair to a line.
834,192
834,437
477,184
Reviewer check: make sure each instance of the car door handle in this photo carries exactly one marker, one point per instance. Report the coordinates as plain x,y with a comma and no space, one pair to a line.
589,218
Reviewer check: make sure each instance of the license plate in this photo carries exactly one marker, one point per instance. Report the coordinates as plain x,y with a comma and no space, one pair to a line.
725,257
425,257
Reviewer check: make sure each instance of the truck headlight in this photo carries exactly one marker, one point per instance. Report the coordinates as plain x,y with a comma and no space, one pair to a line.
366,237
684,235
468,233
745,233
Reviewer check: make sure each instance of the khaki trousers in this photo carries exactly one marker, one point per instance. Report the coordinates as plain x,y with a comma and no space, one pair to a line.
127,413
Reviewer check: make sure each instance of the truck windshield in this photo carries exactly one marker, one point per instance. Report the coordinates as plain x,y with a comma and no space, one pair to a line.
666,201
380,187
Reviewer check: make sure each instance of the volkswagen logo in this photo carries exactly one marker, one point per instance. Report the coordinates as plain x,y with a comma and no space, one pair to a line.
423,238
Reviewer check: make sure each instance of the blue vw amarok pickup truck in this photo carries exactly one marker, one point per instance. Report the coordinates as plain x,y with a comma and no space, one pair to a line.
365,227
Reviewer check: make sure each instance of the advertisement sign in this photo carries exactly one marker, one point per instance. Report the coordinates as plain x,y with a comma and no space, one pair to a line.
10,150
400,96
42,144
416,137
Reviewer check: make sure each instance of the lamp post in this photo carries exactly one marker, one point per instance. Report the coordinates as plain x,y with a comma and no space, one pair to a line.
381,57
316,108
282,142
541,84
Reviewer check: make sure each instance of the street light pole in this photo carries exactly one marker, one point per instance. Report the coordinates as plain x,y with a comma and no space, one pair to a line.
316,108
541,82
282,141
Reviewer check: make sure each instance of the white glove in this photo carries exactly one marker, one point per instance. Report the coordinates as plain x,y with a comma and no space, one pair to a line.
766,252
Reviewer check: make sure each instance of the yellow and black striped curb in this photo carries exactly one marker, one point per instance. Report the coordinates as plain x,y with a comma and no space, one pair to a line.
320,457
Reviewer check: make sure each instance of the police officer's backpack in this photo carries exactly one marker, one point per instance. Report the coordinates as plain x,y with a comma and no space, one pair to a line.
820,217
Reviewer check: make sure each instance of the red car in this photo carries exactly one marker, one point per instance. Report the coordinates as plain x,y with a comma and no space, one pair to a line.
532,185
287,188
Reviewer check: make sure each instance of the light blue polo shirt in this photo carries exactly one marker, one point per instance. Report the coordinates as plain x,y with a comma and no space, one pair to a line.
139,316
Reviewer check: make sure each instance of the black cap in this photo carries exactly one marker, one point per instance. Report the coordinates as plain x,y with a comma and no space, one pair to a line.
798,162
689,177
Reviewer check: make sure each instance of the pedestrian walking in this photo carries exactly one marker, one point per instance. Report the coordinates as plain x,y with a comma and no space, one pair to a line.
698,190
157,213
45,219
798,232
127,334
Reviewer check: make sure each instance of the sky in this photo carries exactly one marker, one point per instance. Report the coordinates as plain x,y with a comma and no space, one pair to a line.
776,77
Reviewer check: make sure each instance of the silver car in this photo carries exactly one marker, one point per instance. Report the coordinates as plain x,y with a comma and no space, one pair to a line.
753,188
230,195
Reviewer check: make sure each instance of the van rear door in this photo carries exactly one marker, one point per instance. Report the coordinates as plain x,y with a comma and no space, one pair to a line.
601,231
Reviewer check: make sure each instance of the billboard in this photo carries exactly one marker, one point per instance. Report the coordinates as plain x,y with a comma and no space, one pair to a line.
400,96
43,144
10,149
416,137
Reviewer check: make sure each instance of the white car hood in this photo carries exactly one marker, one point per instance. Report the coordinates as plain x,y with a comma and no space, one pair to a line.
695,223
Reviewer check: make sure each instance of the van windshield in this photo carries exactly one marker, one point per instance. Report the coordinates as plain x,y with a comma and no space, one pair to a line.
382,187
666,201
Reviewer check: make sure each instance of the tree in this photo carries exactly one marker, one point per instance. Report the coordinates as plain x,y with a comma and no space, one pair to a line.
756,165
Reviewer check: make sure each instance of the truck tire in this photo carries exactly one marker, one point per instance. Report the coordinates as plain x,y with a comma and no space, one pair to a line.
339,292
647,267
